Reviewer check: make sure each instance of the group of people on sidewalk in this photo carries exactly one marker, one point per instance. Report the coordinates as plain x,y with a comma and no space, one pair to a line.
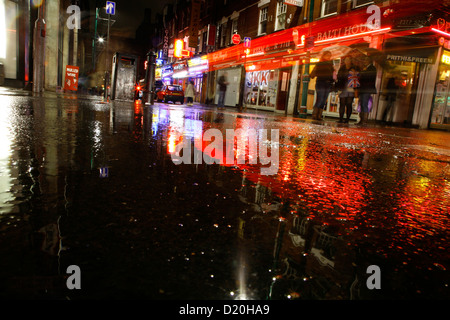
355,79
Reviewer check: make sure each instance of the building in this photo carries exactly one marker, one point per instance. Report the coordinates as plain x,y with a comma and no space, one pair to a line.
15,46
269,71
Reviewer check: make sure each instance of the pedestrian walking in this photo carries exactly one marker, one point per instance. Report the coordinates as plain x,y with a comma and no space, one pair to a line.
367,87
324,71
223,83
347,85
391,97
190,93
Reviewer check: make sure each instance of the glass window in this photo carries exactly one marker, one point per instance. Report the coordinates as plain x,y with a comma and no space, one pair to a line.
358,3
280,22
328,7
261,88
222,35
263,20
234,27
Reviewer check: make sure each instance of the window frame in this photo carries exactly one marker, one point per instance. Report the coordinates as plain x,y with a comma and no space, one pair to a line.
234,28
322,9
263,11
355,5
280,5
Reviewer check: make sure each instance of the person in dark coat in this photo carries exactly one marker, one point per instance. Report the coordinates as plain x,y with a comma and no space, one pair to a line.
367,87
347,84
223,83
391,96
324,71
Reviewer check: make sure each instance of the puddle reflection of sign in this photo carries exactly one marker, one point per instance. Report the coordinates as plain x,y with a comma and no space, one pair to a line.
71,81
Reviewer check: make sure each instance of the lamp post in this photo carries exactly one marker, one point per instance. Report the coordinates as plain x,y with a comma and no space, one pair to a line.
106,92
150,76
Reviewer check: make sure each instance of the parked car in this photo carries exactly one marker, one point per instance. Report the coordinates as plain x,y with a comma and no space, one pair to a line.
172,93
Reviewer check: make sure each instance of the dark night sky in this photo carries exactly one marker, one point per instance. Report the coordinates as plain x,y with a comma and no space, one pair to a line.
130,14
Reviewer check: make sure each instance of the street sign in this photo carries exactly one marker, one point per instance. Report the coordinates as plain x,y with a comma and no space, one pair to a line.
298,3
110,7
71,80
247,42
236,38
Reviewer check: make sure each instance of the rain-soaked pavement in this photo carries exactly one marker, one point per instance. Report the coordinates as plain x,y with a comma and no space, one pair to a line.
93,184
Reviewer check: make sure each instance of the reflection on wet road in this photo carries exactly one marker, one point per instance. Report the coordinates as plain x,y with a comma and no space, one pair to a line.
93,184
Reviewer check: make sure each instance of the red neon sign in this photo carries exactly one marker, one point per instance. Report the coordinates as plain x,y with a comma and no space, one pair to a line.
441,32
354,35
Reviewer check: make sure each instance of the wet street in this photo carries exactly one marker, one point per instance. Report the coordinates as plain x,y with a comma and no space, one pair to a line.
93,184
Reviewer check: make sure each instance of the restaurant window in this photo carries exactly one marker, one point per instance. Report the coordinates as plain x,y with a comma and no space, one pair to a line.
359,3
280,22
263,20
328,7
261,88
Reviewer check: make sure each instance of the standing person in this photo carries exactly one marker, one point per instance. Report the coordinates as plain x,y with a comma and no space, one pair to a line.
190,93
367,87
223,83
324,71
347,83
391,96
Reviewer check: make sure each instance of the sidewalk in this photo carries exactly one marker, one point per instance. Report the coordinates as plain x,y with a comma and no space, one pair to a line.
327,121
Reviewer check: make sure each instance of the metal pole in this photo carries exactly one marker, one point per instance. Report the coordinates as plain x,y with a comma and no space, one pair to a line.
39,51
95,39
151,58
106,93
307,62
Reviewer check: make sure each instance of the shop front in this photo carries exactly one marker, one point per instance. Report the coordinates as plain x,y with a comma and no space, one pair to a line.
233,89
260,89
440,112
403,88
197,72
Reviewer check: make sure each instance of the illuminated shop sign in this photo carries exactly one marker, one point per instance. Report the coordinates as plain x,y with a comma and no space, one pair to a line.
158,73
258,78
179,66
180,69
446,57
198,65
405,58
370,26
166,71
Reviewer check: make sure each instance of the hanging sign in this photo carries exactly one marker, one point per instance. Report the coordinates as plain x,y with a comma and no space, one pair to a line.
298,3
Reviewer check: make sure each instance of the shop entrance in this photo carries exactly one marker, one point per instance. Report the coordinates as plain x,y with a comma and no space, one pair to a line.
401,81
283,84
440,113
